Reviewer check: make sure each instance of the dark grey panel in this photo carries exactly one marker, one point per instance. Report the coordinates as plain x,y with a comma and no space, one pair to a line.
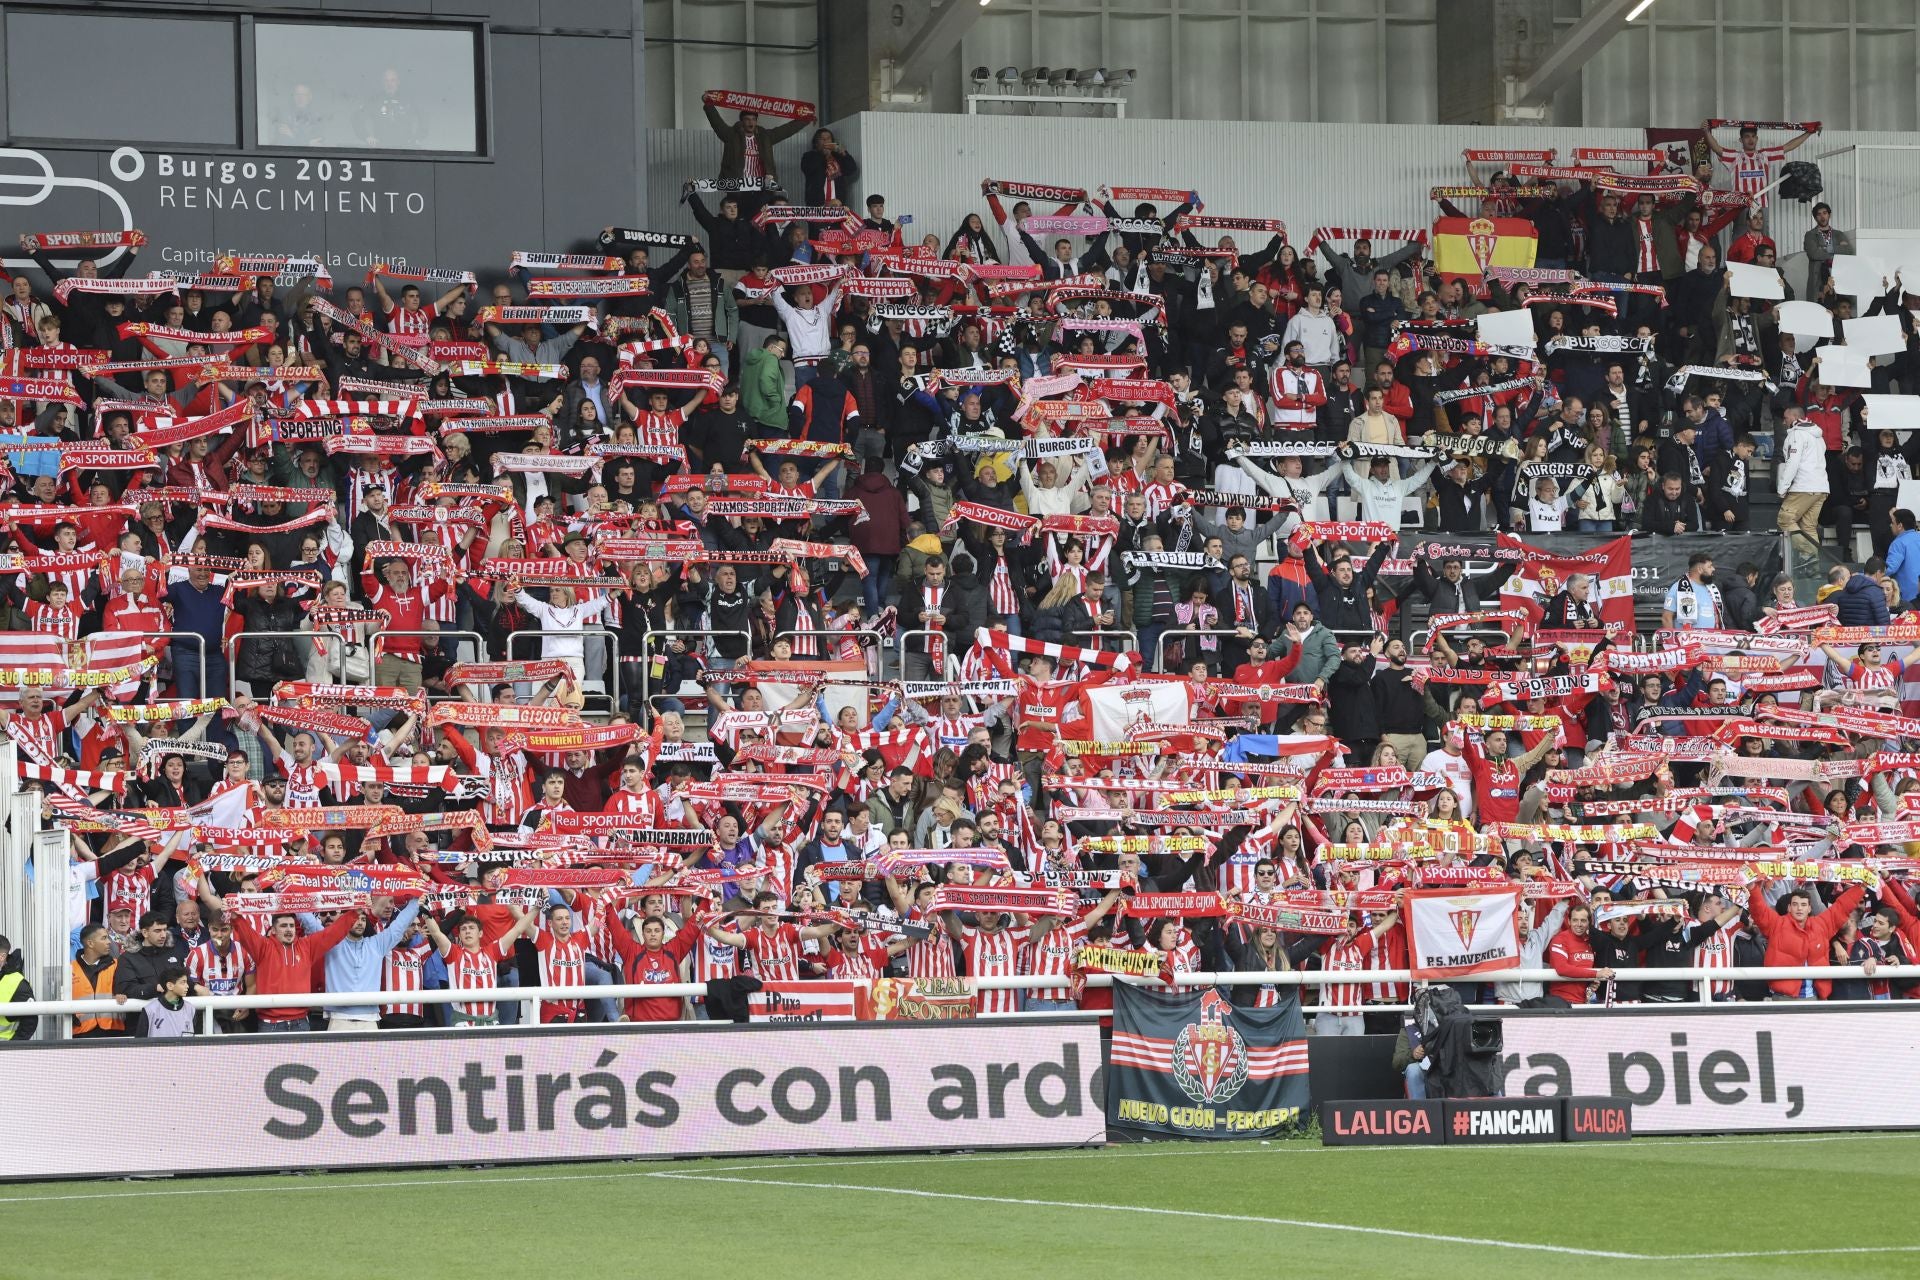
587,15
393,7
561,165
478,207
587,131
151,101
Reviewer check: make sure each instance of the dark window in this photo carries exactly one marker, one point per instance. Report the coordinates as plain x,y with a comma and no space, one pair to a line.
100,77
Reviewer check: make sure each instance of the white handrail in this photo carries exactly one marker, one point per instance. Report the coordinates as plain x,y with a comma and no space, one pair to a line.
676,990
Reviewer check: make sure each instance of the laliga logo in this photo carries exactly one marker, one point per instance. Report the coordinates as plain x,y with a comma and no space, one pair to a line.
33,187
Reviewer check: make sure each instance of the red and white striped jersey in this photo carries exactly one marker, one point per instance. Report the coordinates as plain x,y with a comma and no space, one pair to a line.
1646,258
1052,956
1887,675
775,952
1716,952
469,970
1346,956
222,974
1235,875
562,964
869,962
931,956
1752,170
63,622
1000,589
403,970
992,953
713,960
1184,958
409,320
130,888
304,782
42,731
952,731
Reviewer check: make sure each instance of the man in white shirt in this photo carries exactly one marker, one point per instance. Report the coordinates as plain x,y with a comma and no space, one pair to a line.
1450,759
1313,328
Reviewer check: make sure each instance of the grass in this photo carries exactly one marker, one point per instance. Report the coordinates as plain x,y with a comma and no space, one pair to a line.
1826,1205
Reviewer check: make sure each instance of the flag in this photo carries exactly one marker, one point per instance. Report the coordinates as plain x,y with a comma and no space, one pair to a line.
1464,248
1117,712
1455,935
1191,1064
1542,575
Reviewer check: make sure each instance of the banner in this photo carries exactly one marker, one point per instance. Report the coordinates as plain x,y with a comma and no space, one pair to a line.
1455,935
1117,711
1743,1068
1190,1064
1544,573
632,1092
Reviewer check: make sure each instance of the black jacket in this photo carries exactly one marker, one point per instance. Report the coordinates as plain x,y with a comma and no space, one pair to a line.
1351,712
1662,513
1345,609
1398,705
138,978
273,657
733,243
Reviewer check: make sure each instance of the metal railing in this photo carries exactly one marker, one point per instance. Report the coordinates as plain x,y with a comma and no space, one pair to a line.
874,653
1160,643
609,680
527,997
1132,639
678,633
199,648
235,641
950,661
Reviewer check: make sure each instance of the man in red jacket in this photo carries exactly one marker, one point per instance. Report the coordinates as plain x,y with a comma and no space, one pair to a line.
284,962
1799,938
1571,955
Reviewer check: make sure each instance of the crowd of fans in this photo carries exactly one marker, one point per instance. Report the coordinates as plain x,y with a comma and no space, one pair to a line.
753,607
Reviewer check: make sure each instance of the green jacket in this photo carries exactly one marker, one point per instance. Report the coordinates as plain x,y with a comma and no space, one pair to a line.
763,392
1321,657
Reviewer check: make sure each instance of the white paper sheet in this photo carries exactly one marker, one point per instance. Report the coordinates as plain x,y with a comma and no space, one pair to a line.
1843,367
1507,328
1875,336
1749,281
1858,275
1892,413
1805,319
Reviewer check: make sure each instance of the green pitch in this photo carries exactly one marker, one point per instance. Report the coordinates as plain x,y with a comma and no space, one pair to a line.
1820,1205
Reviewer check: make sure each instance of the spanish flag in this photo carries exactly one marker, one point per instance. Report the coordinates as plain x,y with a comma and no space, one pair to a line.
1463,248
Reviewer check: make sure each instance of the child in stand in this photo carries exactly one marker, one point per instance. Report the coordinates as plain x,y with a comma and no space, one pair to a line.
166,1016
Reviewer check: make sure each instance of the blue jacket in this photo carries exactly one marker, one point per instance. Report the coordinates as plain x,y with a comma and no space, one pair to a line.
1713,438
1377,315
1903,563
1861,603
199,612
355,964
